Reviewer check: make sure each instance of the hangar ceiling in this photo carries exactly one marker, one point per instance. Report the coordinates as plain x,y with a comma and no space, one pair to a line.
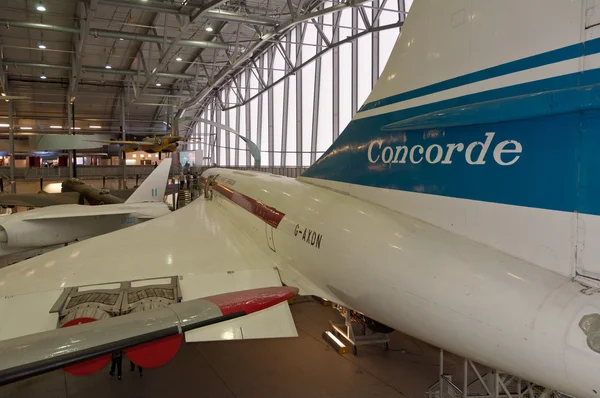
141,62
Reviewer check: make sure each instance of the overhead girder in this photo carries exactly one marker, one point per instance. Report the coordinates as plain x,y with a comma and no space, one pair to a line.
174,9
118,35
95,69
259,47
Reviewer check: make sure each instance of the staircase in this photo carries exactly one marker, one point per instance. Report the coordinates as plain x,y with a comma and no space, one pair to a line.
184,198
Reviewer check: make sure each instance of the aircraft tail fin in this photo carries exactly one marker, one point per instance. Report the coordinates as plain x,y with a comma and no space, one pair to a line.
153,188
486,130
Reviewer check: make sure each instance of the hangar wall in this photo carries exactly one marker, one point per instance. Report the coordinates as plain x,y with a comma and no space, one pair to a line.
298,96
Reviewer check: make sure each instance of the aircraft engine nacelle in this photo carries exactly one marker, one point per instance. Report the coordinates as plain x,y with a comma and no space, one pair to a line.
27,234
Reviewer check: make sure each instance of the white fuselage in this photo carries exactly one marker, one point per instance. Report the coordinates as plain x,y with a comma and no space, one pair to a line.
427,282
56,225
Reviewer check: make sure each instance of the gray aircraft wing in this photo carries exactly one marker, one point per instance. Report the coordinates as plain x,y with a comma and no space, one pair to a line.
38,199
86,344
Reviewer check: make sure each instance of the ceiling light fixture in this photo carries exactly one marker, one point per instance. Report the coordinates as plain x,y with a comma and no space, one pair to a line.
40,7
75,128
42,76
95,127
209,28
158,84
42,46
120,38
107,66
178,59
56,127
4,94
25,128
4,125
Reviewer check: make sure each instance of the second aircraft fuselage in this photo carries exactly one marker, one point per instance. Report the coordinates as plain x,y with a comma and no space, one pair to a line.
63,224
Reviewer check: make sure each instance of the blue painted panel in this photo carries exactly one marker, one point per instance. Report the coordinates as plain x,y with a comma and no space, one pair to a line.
544,176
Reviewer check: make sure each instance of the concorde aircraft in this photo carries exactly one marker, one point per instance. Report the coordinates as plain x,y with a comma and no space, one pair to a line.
459,206
39,230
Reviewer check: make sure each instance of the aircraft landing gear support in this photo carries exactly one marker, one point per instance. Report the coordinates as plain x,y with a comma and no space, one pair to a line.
367,337
490,383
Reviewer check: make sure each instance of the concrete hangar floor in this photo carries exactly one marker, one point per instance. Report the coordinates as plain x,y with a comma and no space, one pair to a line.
296,367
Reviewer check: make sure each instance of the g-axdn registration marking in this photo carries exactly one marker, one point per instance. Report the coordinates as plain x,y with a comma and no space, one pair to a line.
308,236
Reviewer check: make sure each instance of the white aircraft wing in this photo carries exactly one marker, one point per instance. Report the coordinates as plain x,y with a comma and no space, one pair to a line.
75,211
198,246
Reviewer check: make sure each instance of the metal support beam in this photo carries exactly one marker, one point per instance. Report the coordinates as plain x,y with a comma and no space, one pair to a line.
271,110
375,47
172,41
71,127
3,76
285,109
319,26
79,46
354,65
299,100
227,136
364,17
248,114
335,80
123,137
217,118
212,135
74,161
175,9
95,69
11,147
316,99
259,116
237,127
